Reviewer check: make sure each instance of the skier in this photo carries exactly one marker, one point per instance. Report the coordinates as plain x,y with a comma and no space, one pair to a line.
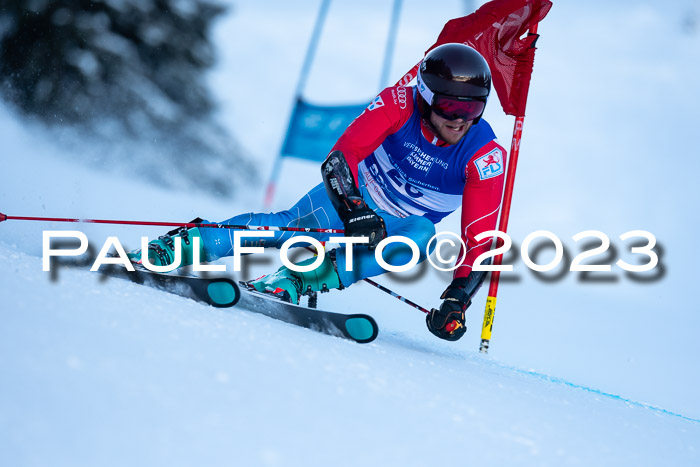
412,157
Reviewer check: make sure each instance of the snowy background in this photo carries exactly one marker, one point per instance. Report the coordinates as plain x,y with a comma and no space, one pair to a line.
580,372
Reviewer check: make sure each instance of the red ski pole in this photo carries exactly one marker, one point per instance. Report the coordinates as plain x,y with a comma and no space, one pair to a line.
4,217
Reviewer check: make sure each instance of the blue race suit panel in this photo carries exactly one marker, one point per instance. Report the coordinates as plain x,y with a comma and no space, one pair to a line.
314,210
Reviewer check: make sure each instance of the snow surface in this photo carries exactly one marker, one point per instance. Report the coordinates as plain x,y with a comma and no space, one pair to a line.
600,373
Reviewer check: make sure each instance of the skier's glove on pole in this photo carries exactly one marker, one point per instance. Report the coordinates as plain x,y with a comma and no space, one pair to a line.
359,220
363,222
449,322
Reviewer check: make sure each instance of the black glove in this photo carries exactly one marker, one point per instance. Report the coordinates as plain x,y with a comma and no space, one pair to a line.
363,222
449,322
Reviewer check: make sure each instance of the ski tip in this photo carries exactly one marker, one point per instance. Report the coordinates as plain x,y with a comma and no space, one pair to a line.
223,293
3,217
362,328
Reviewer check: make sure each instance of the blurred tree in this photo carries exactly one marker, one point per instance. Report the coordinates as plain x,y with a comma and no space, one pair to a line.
123,67
690,21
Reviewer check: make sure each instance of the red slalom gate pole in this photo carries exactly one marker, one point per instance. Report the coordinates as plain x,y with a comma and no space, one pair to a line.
4,217
490,309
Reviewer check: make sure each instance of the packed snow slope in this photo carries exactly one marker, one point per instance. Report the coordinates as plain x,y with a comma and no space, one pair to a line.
580,373
117,374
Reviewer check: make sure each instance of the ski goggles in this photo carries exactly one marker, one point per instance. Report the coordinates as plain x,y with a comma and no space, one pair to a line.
451,108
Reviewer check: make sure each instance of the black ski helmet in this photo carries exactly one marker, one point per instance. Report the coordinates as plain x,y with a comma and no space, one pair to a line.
456,71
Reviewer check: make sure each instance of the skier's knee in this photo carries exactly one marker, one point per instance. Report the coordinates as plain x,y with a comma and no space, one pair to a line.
423,231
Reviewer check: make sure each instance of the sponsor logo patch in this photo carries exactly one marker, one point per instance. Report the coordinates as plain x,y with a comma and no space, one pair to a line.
401,92
490,165
376,103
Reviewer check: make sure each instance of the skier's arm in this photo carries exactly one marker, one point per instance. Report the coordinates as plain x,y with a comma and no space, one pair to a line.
481,201
359,220
383,117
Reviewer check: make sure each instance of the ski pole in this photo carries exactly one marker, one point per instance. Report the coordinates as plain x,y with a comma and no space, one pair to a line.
4,217
397,296
384,289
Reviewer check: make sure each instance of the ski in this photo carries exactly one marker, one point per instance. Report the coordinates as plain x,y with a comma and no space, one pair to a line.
222,292
360,328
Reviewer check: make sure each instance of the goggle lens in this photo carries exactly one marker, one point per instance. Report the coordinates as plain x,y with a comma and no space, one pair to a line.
453,109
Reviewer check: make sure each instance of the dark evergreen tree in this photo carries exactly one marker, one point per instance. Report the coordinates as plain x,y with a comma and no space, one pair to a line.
116,68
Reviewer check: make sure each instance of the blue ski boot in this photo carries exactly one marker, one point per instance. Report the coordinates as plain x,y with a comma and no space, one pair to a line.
291,285
161,251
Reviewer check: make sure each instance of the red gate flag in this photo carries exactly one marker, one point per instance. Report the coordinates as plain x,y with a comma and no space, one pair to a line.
496,30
